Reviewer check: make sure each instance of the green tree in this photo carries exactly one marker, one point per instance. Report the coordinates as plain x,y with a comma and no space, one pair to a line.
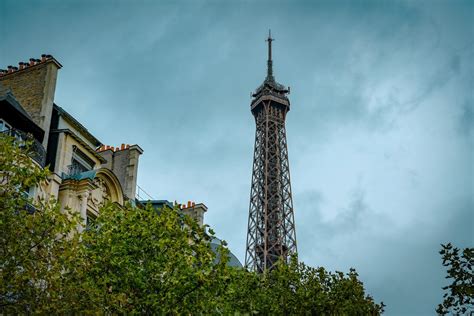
37,243
144,261
459,298
297,289
133,261
141,261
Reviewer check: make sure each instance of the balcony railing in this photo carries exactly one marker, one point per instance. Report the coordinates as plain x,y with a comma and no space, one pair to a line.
36,152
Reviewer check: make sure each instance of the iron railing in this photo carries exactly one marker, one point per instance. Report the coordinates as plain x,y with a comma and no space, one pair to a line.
142,195
36,149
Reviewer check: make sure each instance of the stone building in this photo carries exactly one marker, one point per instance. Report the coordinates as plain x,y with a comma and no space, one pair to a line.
84,172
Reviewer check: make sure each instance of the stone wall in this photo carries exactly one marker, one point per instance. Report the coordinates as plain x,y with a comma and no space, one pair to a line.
124,164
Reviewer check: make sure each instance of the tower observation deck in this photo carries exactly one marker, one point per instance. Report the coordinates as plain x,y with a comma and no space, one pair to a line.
271,227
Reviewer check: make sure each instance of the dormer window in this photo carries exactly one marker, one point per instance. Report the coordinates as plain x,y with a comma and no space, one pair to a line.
80,162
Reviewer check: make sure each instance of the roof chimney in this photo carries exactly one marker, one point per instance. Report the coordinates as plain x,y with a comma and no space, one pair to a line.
38,96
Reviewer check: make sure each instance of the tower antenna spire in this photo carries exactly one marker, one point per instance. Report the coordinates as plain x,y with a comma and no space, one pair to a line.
270,62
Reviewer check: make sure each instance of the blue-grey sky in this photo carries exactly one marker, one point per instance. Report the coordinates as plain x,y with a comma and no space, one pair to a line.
380,133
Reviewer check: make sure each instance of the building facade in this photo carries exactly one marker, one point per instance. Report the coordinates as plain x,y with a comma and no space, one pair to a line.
84,172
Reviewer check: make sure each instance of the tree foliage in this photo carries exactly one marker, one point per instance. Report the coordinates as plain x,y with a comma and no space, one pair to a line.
459,298
297,289
34,250
140,261
147,262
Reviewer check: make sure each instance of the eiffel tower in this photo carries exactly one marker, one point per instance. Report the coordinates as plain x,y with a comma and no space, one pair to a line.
271,228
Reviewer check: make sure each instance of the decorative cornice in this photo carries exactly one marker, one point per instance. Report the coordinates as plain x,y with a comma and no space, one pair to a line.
77,185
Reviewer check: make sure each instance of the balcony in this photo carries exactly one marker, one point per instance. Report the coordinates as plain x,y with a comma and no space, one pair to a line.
36,152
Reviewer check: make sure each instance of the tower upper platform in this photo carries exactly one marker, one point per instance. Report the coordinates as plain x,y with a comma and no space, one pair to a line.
270,89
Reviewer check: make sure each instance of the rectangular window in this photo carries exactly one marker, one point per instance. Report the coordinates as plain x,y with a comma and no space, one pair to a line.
80,162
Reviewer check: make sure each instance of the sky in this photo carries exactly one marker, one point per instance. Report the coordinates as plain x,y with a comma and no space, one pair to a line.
380,132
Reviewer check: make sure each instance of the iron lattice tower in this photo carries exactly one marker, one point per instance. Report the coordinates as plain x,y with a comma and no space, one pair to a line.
271,228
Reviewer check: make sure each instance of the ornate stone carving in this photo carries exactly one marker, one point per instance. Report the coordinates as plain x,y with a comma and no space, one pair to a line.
100,194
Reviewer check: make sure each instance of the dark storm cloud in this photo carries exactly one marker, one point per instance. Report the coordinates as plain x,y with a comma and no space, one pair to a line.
380,131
